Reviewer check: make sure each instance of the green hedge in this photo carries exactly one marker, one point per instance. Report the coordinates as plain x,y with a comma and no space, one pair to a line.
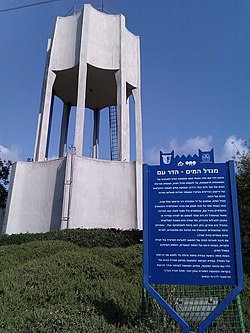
56,286
76,281
82,237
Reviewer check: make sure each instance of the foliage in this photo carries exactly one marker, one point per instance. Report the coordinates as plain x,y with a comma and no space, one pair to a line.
243,187
82,237
4,181
245,300
57,285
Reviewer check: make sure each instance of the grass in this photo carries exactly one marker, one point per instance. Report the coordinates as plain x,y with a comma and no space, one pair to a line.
56,286
52,285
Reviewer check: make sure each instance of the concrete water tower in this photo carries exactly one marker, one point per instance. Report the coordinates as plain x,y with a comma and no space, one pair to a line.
93,62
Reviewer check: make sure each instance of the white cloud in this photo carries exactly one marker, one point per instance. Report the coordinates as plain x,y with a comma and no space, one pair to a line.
13,153
231,147
191,146
152,156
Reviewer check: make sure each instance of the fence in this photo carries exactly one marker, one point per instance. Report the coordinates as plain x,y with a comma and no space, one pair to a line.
193,304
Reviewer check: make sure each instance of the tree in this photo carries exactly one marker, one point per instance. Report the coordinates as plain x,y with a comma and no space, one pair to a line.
4,181
243,187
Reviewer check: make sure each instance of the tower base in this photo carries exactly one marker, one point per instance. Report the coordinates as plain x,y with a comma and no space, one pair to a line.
73,192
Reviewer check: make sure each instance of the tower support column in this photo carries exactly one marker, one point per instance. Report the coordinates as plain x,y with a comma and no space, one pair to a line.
43,133
81,93
138,124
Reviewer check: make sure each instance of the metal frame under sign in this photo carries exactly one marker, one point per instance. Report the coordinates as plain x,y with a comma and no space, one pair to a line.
191,233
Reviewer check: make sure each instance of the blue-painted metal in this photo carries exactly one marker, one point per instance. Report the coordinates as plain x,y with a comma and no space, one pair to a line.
146,276
226,172
145,225
184,250
236,224
202,157
219,309
238,255
168,308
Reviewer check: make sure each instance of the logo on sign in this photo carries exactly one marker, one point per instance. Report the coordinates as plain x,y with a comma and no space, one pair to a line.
206,158
166,159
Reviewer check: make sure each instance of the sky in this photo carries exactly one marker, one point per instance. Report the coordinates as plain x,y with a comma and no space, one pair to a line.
195,73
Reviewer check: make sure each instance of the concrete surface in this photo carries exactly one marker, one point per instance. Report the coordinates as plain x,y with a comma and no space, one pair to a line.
72,192
35,197
92,61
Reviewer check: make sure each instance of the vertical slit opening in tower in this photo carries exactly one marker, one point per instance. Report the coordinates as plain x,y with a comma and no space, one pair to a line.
113,133
88,133
71,130
53,139
101,94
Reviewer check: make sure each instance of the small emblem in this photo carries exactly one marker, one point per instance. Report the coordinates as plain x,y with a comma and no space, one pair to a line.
166,159
180,164
206,158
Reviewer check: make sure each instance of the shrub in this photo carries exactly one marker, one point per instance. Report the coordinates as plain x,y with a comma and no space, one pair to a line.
82,237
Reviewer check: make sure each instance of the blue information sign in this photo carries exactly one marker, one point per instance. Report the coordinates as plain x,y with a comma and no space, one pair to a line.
190,224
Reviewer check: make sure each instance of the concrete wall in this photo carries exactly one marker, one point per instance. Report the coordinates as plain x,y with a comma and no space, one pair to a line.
35,197
103,194
132,57
103,40
66,42
103,45
72,192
